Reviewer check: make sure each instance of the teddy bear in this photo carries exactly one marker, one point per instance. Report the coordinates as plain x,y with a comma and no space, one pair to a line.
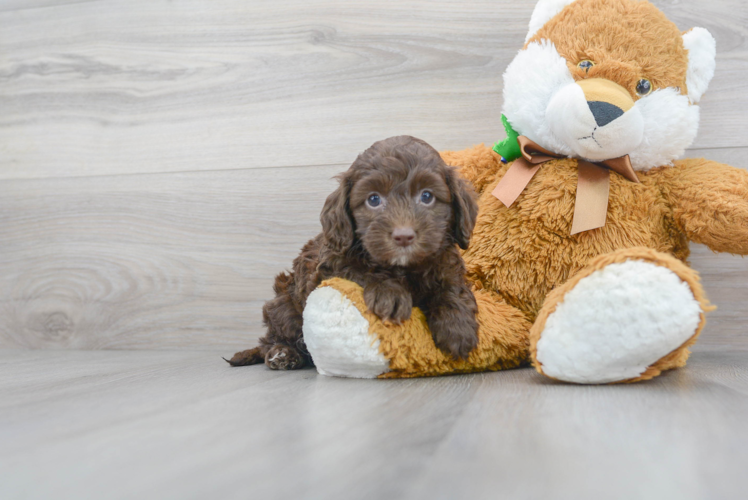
578,259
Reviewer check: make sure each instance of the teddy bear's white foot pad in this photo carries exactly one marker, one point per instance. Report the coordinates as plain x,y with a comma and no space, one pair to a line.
616,322
337,336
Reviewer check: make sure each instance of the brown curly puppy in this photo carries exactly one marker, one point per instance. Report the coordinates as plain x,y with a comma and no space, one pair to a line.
392,226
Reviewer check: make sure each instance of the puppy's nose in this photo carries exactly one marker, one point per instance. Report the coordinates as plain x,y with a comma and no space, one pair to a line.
403,236
604,112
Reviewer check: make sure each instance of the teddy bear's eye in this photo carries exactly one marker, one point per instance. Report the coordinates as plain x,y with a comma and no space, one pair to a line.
586,64
644,87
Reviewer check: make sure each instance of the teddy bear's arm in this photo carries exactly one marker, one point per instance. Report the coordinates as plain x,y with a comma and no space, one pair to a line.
478,165
710,203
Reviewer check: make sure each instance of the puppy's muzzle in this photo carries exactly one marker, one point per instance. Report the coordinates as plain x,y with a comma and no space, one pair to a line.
403,236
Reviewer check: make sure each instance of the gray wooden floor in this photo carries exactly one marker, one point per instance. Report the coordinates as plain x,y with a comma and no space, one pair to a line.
161,161
176,424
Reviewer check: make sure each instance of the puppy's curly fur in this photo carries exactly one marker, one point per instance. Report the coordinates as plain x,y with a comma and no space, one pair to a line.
392,226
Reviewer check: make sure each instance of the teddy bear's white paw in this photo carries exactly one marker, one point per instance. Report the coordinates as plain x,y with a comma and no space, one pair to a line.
616,322
337,336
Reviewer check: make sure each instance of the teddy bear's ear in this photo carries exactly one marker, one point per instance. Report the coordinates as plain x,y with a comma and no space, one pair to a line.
544,11
702,51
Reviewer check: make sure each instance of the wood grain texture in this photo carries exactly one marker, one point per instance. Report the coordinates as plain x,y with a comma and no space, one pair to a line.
126,86
150,261
117,424
186,260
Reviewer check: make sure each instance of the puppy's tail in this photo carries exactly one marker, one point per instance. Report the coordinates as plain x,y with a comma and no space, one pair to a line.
249,357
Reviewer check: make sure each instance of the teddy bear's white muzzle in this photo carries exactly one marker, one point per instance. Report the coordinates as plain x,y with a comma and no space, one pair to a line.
596,129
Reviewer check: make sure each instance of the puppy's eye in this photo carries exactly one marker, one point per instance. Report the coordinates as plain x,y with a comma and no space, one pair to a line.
374,200
586,64
643,87
427,197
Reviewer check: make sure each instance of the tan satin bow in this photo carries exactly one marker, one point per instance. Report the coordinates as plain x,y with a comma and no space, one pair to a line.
593,183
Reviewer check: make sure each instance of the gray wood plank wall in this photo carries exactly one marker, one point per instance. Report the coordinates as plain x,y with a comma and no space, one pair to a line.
160,161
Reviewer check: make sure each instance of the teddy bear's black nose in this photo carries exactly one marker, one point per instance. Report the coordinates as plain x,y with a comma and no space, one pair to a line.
604,112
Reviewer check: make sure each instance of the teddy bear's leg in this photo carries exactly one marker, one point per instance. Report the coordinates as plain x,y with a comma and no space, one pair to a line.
347,340
337,336
626,317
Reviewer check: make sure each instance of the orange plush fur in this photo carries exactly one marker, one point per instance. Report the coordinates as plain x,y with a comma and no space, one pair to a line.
502,338
524,252
642,41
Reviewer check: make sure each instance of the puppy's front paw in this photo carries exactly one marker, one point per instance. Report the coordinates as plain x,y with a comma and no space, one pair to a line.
455,336
283,357
389,301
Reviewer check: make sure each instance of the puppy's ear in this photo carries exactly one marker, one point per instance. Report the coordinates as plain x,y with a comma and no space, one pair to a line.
464,208
336,217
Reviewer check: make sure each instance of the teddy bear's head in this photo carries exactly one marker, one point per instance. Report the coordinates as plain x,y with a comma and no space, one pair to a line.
600,79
